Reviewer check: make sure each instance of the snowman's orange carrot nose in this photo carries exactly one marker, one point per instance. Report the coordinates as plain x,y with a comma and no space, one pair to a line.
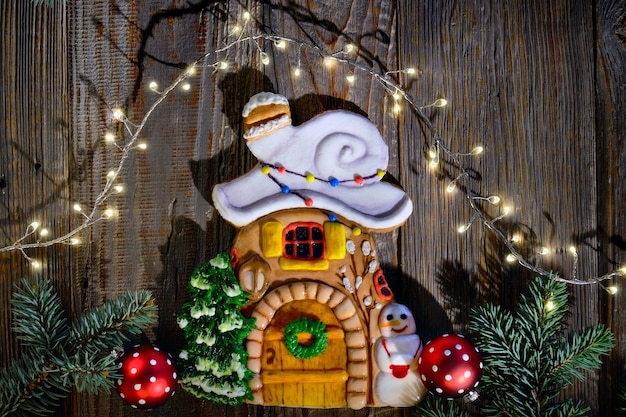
391,323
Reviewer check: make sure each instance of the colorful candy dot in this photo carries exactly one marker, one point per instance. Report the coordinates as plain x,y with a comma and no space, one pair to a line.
358,179
265,169
285,189
281,169
334,182
310,177
308,202
380,173
332,217
356,231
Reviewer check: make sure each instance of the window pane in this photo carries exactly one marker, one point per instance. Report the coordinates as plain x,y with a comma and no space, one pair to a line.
316,233
303,251
302,233
289,235
318,250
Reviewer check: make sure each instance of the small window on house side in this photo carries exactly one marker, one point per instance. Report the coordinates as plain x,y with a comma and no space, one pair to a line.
303,241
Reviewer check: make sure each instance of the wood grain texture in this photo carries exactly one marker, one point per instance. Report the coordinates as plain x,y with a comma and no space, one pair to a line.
34,146
611,157
539,84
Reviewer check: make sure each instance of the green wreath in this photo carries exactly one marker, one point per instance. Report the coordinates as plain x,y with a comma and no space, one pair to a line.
316,328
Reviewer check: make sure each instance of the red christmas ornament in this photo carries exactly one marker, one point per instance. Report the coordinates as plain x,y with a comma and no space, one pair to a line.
148,377
450,366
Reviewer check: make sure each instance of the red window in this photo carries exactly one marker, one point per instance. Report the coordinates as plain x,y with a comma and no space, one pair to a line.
303,241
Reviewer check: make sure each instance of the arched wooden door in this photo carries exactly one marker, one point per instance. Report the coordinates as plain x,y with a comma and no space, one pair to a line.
316,382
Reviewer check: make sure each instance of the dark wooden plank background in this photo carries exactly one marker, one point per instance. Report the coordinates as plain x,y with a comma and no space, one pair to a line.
539,84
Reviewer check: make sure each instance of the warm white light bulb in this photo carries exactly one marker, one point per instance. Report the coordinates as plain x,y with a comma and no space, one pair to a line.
108,213
43,232
329,61
572,250
440,102
280,44
191,70
478,150
464,227
611,290
223,65
348,48
118,114
34,225
111,174
451,187
350,77
516,238
246,16
510,258
118,188
506,210
623,270
35,264
549,305
74,241
297,72
410,71
77,207
397,108
109,137
433,163
185,86
494,199
236,29
153,86
143,146
396,96
265,58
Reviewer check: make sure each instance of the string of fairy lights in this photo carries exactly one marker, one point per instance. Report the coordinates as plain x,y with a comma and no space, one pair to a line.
37,236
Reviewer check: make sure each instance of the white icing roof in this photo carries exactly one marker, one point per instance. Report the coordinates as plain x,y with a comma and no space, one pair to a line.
336,144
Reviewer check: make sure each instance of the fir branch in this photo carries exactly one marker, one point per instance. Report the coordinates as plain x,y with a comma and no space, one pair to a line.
542,314
57,358
38,315
104,328
526,359
581,353
29,386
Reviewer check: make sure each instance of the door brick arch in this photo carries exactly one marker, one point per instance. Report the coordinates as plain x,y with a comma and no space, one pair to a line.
294,380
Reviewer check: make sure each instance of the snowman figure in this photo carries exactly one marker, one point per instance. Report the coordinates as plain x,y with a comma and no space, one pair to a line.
396,353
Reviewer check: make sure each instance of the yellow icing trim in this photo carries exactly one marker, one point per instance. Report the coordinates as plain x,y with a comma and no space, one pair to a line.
335,236
272,239
302,265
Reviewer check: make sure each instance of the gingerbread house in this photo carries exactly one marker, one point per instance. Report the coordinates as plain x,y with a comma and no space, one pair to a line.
302,251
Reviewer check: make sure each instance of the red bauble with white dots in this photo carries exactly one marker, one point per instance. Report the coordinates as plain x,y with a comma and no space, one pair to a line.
148,377
450,366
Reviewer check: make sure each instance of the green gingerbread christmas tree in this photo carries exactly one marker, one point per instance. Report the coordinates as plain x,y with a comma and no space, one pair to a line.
213,363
